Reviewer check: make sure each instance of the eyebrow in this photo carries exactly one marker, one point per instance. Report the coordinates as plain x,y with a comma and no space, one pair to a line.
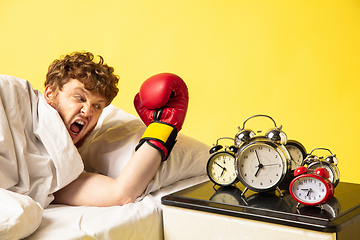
85,92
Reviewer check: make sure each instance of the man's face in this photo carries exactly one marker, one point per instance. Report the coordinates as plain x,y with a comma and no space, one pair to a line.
79,108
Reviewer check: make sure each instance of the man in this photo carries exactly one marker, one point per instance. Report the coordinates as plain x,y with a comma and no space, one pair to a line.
79,88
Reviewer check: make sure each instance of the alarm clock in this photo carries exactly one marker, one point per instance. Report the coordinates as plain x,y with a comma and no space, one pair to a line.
221,164
329,163
311,188
297,153
262,162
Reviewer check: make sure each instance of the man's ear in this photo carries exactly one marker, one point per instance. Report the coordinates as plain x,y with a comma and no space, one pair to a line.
49,94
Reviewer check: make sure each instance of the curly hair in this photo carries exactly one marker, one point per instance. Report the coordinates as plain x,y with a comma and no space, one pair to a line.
96,76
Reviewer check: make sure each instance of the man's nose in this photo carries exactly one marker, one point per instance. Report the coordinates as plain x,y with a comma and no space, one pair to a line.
86,110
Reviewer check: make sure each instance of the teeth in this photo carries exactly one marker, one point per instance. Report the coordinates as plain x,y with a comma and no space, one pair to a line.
80,122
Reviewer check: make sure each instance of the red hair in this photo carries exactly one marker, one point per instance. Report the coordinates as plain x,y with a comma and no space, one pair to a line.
96,76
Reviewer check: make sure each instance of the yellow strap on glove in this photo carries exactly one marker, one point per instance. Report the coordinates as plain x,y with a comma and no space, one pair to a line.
159,131
161,136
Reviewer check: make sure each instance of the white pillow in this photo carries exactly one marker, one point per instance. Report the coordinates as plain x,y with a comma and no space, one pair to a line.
20,215
187,159
108,151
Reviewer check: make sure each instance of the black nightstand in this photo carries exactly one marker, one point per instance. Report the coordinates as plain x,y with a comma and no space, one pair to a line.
201,212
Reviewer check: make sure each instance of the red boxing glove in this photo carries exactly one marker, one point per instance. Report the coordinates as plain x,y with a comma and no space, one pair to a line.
162,104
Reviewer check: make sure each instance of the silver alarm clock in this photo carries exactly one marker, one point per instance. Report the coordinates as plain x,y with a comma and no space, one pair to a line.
262,162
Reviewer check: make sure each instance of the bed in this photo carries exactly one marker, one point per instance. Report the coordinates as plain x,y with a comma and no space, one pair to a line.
113,141
140,220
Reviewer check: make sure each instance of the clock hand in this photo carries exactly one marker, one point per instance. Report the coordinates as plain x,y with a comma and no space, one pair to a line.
224,169
257,157
260,165
219,165
269,164
297,164
257,171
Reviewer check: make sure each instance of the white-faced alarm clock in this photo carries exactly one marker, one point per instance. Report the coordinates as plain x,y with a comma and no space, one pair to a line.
221,164
311,188
262,162
297,153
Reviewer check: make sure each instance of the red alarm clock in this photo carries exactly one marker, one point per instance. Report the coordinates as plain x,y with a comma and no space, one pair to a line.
313,188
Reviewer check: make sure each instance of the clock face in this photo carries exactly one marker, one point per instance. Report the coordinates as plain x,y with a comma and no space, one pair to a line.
221,168
333,173
311,190
261,166
297,153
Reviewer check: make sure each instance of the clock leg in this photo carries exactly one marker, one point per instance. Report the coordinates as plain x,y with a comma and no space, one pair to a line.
243,193
279,191
298,205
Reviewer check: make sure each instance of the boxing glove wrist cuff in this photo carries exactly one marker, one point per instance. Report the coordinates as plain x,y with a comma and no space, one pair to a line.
161,136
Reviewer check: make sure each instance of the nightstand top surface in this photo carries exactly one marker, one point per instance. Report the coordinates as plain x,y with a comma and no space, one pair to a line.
341,212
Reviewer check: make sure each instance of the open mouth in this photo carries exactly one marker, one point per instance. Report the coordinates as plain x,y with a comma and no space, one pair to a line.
76,127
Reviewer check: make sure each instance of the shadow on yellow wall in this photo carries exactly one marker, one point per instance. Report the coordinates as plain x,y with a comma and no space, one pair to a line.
297,61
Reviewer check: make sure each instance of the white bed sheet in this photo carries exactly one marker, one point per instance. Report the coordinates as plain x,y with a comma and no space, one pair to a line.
140,220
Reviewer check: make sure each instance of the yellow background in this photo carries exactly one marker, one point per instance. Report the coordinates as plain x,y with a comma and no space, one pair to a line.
297,61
